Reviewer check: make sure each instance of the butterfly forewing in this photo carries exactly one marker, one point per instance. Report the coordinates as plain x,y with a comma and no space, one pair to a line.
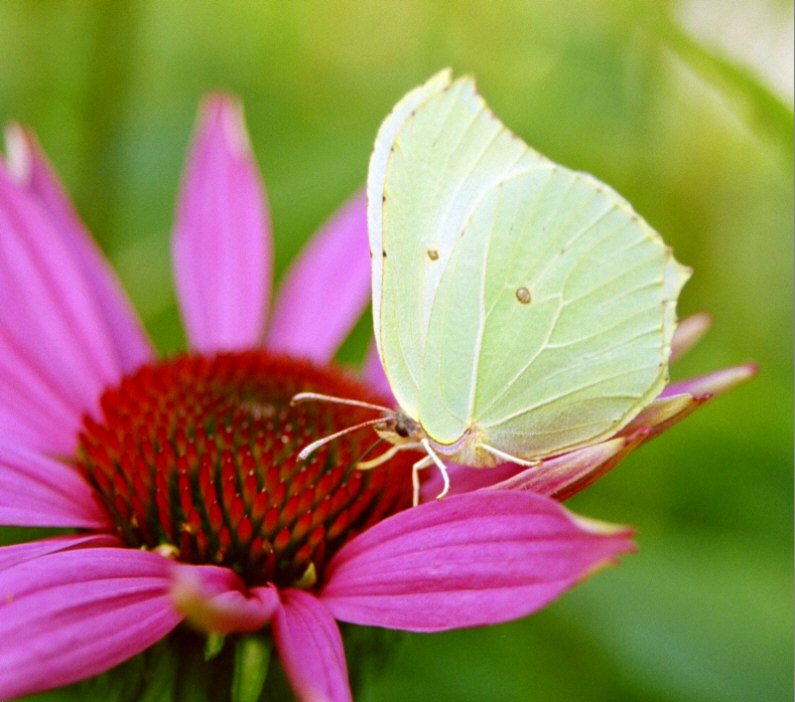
376,175
446,153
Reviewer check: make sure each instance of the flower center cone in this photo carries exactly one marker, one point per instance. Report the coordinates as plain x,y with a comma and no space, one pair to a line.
198,457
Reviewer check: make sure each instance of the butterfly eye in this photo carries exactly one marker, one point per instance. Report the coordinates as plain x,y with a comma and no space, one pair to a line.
401,430
523,295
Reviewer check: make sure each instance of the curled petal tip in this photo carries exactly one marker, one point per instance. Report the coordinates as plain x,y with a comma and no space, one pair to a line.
751,368
715,383
225,112
601,528
638,436
212,600
689,332
19,156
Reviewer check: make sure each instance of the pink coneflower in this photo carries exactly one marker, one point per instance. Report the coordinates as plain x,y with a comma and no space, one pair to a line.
179,477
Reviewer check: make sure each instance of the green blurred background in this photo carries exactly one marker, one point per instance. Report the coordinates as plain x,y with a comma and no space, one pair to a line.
651,97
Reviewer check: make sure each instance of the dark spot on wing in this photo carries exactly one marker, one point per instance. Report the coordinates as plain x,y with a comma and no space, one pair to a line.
523,295
383,253
433,254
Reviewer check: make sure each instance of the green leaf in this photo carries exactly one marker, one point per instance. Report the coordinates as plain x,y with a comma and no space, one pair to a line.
252,658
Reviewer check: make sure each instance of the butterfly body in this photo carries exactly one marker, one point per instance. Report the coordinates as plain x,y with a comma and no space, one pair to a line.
401,430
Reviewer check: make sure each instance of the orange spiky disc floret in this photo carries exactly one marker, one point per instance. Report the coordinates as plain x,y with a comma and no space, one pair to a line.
198,457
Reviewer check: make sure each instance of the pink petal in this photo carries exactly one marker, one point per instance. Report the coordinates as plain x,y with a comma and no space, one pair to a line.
689,332
34,410
464,479
467,560
28,163
214,599
73,614
559,477
712,383
222,239
662,414
310,648
374,374
41,491
51,328
12,555
563,476
326,289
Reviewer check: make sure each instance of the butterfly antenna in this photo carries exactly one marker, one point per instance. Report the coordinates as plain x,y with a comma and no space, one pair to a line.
308,449
319,397
368,450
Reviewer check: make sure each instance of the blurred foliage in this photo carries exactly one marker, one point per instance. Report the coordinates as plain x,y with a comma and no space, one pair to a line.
616,87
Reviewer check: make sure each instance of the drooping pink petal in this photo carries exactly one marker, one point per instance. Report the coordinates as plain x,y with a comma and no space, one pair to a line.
480,558
214,599
662,414
310,648
40,491
689,331
51,325
374,375
73,614
18,553
30,166
325,291
713,383
565,475
222,239
561,477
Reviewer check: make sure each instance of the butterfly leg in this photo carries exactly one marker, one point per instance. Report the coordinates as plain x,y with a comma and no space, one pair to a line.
509,458
439,464
424,462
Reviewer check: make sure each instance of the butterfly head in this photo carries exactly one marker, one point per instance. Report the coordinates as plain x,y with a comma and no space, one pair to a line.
399,429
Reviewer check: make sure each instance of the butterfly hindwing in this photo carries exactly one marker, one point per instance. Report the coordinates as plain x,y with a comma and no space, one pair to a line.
550,327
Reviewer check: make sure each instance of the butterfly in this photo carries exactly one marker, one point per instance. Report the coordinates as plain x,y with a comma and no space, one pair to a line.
520,309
